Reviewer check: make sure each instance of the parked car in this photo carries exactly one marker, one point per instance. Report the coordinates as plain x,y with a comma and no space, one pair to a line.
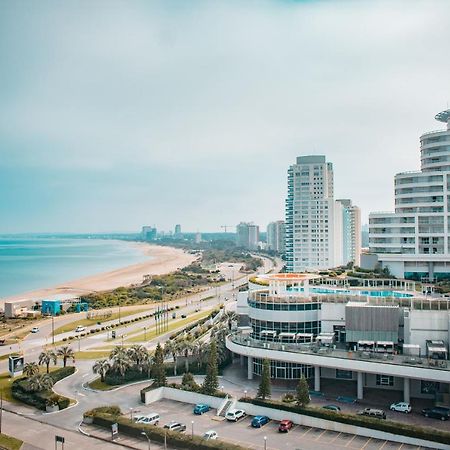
437,413
175,426
149,419
183,316
79,329
201,408
259,421
372,412
403,407
233,415
35,330
138,417
210,435
332,408
285,426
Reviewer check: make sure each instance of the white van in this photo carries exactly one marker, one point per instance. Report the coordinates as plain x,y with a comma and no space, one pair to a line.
149,419
233,415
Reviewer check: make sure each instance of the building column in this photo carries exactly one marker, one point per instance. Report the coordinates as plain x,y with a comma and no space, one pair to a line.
250,368
242,360
359,385
317,378
406,390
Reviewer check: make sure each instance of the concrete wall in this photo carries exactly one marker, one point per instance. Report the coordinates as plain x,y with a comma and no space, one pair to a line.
276,414
331,314
425,325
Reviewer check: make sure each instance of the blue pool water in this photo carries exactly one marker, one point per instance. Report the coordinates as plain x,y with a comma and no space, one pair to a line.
374,293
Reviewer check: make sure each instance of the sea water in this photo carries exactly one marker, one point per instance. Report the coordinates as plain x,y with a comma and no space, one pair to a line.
33,263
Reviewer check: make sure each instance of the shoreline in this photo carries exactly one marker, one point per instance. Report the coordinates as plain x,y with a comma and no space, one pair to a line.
162,260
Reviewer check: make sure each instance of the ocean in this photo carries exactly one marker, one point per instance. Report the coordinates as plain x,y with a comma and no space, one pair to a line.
33,263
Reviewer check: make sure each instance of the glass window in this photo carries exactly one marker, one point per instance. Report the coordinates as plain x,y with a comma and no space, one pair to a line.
344,374
385,380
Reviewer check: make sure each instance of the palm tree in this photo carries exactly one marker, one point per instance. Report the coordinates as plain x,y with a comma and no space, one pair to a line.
200,350
147,364
185,347
65,352
138,354
230,316
30,369
101,368
46,357
118,352
38,383
121,364
172,348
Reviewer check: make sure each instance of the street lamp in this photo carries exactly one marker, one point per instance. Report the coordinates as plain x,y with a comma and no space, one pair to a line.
131,414
265,442
192,429
245,394
148,439
79,340
145,333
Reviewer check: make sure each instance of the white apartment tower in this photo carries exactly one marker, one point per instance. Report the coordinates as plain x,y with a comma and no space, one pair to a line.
351,232
413,242
313,233
276,236
247,235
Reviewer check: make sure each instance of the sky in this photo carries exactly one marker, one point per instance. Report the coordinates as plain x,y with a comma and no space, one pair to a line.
117,114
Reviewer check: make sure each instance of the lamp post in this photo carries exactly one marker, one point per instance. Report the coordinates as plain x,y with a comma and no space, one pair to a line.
145,333
131,414
245,394
265,442
79,345
192,429
148,439
53,330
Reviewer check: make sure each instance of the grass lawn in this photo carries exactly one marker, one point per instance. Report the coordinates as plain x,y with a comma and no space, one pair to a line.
172,326
9,442
100,385
87,322
92,355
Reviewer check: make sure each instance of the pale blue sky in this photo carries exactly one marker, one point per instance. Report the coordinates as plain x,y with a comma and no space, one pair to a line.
115,114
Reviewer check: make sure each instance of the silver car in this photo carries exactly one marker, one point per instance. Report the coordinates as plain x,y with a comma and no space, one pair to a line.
175,426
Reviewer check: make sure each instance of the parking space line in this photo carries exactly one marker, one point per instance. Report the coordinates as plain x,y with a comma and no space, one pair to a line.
365,445
348,443
318,437
306,432
332,440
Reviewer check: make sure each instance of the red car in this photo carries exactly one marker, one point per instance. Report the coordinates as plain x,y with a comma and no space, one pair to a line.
285,426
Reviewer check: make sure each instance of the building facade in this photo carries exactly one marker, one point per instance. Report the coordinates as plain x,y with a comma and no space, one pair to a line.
377,335
148,233
247,235
413,242
276,236
351,232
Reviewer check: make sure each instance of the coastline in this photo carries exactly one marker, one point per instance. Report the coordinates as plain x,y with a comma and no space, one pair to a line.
162,260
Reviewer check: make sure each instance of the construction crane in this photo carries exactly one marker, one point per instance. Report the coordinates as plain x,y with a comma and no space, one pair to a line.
225,227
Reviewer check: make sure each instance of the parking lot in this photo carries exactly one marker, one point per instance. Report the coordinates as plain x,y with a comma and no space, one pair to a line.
299,438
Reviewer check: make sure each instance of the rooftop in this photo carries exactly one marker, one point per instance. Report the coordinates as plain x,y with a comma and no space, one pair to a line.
443,116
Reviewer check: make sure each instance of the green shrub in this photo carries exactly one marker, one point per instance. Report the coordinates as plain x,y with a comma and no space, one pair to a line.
359,421
112,410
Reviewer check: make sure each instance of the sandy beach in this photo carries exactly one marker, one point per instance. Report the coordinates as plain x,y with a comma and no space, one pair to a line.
162,260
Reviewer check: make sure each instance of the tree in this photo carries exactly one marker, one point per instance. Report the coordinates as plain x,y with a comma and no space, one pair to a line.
101,367
171,349
46,357
302,393
230,317
65,353
200,350
159,371
138,354
264,385
121,363
188,382
30,369
185,347
38,383
211,382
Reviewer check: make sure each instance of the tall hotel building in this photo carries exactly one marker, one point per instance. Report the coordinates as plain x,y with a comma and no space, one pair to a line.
413,242
276,236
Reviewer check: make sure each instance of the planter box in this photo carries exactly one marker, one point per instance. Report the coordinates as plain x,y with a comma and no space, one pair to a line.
88,420
52,408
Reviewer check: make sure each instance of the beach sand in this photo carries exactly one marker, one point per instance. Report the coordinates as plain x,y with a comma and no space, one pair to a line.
163,260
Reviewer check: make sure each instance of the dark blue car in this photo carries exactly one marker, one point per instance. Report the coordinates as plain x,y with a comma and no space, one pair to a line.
259,421
201,408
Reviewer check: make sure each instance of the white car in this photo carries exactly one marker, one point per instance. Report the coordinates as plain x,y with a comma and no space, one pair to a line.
35,330
79,329
233,415
401,407
149,419
210,435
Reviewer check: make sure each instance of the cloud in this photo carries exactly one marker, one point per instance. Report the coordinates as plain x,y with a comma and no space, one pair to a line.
94,89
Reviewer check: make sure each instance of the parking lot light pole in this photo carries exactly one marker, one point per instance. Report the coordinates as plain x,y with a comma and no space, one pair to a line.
192,429
148,439
265,442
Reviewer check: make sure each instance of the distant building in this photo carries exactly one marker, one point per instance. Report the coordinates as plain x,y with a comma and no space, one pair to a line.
351,232
276,235
178,231
414,241
247,235
198,237
148,233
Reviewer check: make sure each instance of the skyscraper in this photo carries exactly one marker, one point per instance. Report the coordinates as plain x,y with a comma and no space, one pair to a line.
276,236
313,233
351,232
247,235
413,242
177,230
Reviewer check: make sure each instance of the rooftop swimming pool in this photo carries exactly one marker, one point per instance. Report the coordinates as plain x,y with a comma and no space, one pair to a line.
368,293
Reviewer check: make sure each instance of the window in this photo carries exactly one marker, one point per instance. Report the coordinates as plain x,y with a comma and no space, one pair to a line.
428,387
385,380
344,374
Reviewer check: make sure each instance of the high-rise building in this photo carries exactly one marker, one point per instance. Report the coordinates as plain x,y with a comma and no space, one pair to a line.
148,233
177,230
313,233
247,235
276,236
413,242
351,232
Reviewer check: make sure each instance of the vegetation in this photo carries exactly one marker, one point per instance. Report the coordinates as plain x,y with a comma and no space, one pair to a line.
10,443
30,369
211,381
46,357
65,353
359,421
37,389
158,370
156,434
302,392
264,390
